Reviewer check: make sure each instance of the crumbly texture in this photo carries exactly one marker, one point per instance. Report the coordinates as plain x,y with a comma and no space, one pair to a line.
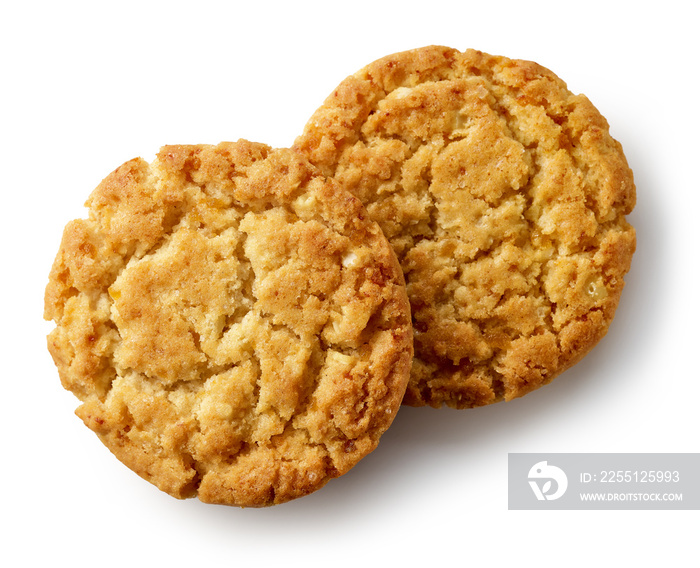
504,197
235,325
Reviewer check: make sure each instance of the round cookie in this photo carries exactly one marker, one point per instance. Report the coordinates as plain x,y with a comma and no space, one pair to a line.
504,197
236,327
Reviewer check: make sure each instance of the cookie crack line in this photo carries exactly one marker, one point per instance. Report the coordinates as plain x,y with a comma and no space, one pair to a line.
170,222
526,189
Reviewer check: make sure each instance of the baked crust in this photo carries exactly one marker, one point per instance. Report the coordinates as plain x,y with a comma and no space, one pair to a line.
504,197
234,325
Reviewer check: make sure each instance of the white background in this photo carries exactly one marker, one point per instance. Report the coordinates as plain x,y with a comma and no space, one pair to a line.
88,85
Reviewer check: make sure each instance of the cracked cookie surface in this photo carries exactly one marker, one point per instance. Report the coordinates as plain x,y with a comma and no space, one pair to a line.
504,197
234,324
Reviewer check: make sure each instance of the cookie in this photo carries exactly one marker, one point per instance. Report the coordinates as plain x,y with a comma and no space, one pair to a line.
504,197
234,325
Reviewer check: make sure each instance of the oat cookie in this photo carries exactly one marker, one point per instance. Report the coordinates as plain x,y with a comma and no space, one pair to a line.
504,197
236,327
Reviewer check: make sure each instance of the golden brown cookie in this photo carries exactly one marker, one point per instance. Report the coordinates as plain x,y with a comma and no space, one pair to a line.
233,323
504,197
